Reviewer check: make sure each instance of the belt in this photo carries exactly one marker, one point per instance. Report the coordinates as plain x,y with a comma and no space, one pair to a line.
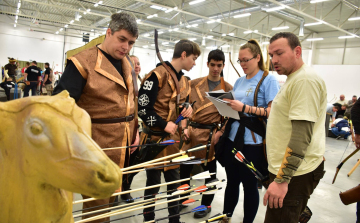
112,120
202,126
150,132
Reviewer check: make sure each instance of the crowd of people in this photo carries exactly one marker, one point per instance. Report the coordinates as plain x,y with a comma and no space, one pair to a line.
31,78
276,132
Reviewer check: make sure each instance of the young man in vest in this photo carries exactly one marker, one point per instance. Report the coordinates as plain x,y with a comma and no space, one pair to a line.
100,81
205,122
295,136
158,108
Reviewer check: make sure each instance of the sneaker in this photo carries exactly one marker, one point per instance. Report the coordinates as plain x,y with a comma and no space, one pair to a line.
337,138
127,198
201,214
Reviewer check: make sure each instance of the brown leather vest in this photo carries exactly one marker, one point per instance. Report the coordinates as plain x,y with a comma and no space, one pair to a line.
204,112
107,95
165,106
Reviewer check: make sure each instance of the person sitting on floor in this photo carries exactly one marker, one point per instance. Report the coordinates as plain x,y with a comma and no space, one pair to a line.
340,128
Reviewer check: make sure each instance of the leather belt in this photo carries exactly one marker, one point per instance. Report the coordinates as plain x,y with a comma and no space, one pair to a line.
112,120
202,126
150,132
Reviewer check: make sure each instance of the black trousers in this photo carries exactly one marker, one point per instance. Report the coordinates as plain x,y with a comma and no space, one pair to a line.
185,171
7,90
236,173
128,178
32,86
153,178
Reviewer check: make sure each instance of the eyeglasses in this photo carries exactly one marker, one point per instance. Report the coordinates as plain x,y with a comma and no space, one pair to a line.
245,61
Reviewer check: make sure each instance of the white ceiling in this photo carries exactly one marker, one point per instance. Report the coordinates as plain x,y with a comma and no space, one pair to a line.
52,15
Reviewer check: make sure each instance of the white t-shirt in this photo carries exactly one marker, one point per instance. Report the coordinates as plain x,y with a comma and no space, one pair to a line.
302,97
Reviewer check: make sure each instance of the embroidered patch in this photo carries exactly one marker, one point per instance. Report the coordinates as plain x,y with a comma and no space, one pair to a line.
148,85
142,112
151,120
144,100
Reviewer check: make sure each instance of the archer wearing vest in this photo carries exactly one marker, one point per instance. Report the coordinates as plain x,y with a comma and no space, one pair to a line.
162,91
253,97
100,79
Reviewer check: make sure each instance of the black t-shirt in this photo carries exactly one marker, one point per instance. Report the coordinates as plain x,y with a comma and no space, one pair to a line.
33,73
47,72
73,81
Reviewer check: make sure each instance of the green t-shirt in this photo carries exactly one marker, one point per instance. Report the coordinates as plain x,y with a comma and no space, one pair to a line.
302,97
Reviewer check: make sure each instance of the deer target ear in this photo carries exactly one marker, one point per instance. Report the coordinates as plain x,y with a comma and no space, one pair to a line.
36,128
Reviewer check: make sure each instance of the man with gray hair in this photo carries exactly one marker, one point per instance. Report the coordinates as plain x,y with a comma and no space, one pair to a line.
100,80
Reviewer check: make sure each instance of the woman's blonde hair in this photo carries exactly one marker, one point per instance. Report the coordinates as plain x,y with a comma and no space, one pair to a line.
254,47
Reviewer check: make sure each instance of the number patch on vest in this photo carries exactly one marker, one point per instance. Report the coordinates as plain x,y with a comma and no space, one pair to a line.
148,85
144,100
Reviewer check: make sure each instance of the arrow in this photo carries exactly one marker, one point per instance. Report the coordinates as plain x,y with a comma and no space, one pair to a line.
195,177
184,203
193,149
240,157
214,218
164,143
182,187
122,211
198,208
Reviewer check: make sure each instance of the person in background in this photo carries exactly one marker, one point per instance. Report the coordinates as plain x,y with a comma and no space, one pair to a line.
27,64
349,106
47,83
247,134
32,77
295,133
342,104
340,127
10,68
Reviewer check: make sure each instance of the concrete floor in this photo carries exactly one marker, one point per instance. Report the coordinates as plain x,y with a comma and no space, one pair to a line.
324,203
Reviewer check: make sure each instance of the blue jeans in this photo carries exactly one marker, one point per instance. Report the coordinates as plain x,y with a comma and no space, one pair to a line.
337,132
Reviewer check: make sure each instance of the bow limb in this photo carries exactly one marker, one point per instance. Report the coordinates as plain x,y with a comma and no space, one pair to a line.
157,46
233,64
348,157
222,81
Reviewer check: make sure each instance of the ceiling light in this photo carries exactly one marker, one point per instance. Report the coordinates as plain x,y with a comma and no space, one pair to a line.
346,37
158,8
66,25
100,2
96,5
57,32
92,30
313,24
151,16
85,13
211,21
161,32
242,15
354,18
61,29
255,31
79,17
15,25
192,39
316,1
138,20
17,11
247,32
195,2
146,35
231,34
194,25
223,34
265,43
152,44
88,10
274,9
16,17
203,42
72,21
19,5
170,10
188,26
209,37
280,28
176,29
165,43
15,21
218,20
225,46
314,39
146,46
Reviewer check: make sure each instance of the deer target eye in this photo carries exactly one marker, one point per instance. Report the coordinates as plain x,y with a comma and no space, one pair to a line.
36,128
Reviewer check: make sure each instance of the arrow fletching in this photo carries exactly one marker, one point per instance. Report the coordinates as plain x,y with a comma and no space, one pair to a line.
197,161
214,182
188,202
169,142
200,208
212,191
201,189
200,176
184,187
183,158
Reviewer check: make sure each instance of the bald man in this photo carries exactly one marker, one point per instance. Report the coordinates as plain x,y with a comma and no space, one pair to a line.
343,103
